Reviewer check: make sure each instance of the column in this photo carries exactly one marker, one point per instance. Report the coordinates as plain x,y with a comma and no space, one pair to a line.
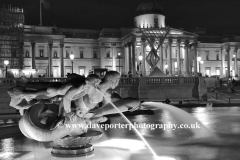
130,57
195,58
113,45
223,73
235,61
126,59
33,55
170,57
102,56
167,57
190,59
133,59
21,55
186,58
50,66
61,61
179,57
144,56
228,62
161,58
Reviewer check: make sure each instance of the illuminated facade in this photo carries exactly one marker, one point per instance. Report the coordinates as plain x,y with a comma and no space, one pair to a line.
47,49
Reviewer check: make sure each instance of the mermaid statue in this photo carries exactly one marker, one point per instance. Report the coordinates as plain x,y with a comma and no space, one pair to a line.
50,108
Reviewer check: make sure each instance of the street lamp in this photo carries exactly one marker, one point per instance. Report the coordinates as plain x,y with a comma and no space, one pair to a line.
119,55
6,62
72,57
166,66
140,58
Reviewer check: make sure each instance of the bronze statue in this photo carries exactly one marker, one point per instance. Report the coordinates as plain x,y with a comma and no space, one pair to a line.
52,109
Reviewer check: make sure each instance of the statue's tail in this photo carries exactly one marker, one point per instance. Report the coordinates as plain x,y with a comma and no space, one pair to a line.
32,127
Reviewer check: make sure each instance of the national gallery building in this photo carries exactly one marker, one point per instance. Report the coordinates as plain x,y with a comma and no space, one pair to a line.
54,52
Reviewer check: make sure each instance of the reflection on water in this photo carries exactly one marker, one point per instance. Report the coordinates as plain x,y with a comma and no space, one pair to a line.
7,148
124,142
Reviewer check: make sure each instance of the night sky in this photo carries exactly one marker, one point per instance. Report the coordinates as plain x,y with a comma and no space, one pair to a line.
218,16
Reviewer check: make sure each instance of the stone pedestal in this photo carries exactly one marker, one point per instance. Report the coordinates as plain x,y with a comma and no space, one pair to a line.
82,151
78,146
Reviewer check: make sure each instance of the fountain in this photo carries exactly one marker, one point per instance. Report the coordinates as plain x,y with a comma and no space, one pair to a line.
37,123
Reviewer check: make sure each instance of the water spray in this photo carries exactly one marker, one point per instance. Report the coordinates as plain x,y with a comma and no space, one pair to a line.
132,126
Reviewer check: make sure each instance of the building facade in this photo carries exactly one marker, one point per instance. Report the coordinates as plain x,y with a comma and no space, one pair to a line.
46,50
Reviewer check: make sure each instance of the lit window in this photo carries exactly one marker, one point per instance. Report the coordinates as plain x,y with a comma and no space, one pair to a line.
81,71
208,71
175,67
217,71
41,53
27,53
55,54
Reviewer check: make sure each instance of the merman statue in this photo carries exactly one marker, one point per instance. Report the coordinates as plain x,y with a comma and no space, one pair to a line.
54,107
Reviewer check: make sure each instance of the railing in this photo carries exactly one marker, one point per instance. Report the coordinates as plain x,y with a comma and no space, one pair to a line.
7,81
47,79
123,81
171,80
13,81
129,81
154,80
189,80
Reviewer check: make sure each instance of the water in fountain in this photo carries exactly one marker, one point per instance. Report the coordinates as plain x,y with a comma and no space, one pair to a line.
133,127
183,117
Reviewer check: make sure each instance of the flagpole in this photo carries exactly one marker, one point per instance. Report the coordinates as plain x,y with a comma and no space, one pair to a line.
40,12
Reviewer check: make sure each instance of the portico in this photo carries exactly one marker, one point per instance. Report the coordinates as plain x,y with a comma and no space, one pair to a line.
178,51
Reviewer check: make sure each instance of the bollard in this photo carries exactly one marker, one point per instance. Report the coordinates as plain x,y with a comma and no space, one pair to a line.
229,99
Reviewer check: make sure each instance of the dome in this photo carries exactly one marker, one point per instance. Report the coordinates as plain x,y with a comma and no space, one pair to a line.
149,7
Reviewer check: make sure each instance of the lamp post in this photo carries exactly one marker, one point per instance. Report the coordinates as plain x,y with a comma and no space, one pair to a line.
140,57
6,62
166,66
199,59
72,57
119,55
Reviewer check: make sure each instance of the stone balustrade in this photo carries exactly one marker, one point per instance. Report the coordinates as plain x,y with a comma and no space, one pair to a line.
143,88
129,81
123,81
13,81
170,80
